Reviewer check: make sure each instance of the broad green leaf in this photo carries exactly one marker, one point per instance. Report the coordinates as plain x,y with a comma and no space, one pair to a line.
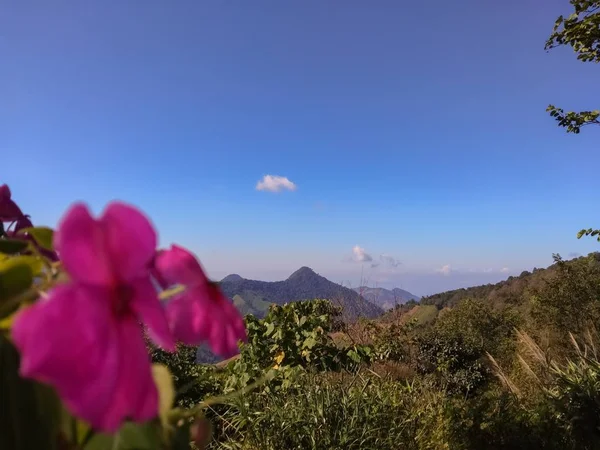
12,246
28,418
6,322
166,391
34,262
269,330
42,235
131,436
14,280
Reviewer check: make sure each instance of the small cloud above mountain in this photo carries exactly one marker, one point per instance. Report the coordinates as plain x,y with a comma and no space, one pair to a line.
505,270
275,183
359,254
445,270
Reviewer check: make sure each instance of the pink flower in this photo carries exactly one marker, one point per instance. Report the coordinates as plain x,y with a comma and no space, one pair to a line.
201,313
9,211
85,339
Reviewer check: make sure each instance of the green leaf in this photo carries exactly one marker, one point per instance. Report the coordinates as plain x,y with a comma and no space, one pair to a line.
35,263
12,246
14,280
270,329
181,437
42,235
166,390
309,342
354,356
131,436
28,414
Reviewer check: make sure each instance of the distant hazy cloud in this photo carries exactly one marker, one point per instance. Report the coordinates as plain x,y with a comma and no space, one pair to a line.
505,270
389,260
445,270
275,183
360,255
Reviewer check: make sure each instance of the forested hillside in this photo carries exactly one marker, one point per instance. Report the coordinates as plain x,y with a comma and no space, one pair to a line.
512,290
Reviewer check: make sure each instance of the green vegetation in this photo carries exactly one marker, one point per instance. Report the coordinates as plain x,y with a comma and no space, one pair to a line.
580,31
489,370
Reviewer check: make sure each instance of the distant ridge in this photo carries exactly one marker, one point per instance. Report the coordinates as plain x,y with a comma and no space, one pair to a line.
254,297
386,298
233,278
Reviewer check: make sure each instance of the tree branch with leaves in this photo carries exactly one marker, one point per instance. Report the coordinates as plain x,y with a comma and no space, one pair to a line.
580,31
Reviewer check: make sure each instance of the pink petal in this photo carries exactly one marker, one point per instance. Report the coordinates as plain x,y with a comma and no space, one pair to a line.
9,210
148,308
188,317
130,240
135,396
4,192
179,266
80,243
69,341
23,222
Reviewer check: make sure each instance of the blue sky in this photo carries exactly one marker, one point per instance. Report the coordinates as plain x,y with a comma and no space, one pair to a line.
414,130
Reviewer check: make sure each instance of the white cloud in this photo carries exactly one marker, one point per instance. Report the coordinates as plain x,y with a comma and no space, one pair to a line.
505,270
445,270
359,254
275,183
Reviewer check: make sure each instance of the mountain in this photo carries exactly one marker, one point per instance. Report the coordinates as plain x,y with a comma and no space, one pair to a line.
254,297
385,298
512,290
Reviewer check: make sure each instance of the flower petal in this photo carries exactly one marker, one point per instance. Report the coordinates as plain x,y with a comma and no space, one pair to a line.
179,266
4,192
189,318
80,243
9,211
203,313
22,223
148,308
135,396
130,240
69,341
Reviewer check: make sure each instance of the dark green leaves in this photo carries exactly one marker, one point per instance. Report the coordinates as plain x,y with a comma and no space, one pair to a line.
573,121
12,246
589,232
16,278
580,31
181,437
23,423
131,436
43,236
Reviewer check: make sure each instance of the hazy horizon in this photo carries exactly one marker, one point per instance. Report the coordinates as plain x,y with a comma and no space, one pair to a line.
345,137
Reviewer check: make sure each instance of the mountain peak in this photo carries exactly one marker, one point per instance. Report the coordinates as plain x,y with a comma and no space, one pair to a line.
302,272
233,278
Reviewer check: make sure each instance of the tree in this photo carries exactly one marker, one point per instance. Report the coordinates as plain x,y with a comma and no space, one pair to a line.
581,31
